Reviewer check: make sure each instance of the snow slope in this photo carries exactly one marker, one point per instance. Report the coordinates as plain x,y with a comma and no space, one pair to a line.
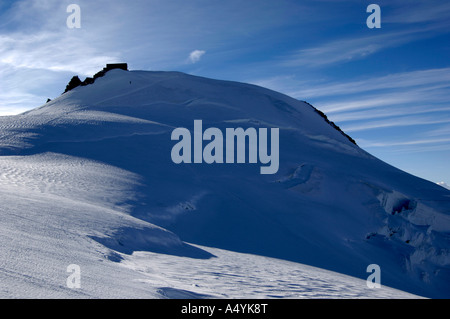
88,179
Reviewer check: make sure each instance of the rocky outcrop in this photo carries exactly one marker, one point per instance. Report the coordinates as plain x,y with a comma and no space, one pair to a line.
75,81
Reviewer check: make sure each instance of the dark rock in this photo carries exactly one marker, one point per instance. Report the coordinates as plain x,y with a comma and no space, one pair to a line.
111,66
87,81
73,83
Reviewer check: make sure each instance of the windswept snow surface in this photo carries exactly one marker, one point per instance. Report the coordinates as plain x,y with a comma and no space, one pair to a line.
88,179
237,275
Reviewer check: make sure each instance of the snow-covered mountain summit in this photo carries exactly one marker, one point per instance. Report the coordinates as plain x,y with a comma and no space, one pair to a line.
88,179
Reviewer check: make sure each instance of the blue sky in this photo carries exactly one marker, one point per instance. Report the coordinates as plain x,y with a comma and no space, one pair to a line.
388,88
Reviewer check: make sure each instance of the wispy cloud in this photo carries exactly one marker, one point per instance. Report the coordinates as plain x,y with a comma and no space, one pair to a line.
441,131
417,11
388,112
353,47
417,78
426,97
414,92
342,50
424,20
413,106
53,52
396,122
405,143
439,147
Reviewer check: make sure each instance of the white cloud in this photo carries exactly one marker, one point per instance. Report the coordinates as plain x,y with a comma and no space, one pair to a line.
196,55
